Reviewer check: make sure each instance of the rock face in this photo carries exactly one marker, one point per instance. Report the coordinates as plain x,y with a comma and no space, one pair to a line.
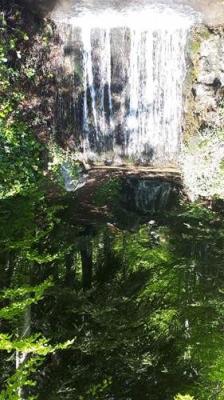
212,11
207,86
41,7
203,153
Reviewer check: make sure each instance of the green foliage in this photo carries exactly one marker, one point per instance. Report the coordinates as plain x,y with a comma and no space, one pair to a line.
39,348
20,380
32,344
30,73
155,291
20,153
183,397
21,298
60,159
36,345
108,192
98,390
195,213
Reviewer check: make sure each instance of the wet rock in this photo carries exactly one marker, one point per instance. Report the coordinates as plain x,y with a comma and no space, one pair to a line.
41,7
108,163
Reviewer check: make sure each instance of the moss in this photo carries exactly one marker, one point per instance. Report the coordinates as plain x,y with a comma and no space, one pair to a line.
221,166
195,47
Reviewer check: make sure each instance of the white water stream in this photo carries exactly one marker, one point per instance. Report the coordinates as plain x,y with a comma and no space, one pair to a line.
133,68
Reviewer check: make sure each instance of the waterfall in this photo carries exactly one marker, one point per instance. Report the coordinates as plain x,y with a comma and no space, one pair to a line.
156,71
149,195
88,78
129,90
100,120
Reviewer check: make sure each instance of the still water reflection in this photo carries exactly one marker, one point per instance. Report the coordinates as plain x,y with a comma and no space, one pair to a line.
126,305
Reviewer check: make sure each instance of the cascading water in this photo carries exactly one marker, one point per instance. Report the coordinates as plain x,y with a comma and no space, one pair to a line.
126,71
149,195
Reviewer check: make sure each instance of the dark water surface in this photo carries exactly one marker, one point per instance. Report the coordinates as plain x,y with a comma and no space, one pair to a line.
135,282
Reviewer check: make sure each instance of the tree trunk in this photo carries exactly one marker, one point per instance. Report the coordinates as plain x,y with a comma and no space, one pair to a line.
87,262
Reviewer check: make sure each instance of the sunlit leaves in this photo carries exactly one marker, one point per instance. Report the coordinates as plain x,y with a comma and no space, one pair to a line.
20,153
21,298
33,344
38,348
20,379
163,322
